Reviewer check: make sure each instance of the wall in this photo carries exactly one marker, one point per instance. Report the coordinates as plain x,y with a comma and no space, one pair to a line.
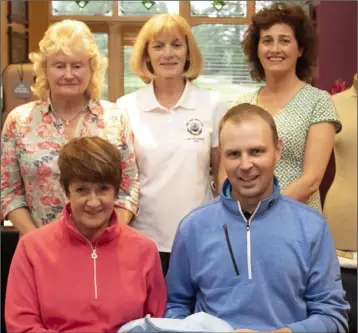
38,23
337,32
4,38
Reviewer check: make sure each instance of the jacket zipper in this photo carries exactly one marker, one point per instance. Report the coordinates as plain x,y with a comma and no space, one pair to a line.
230,250
94,257
248,239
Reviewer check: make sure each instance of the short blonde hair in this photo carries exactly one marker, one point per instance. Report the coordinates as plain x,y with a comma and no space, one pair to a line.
67,36
165,23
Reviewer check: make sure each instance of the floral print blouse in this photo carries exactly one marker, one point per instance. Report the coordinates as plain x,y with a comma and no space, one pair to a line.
31,140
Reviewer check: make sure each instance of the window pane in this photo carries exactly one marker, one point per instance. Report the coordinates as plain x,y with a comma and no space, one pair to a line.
262,4
102,42
225,67
131,82
102,7
230,9
136,8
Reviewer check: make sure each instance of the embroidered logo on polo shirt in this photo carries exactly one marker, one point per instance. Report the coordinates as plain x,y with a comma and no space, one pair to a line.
194,127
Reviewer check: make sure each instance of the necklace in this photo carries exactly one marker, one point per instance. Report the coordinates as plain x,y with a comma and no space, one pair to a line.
68,121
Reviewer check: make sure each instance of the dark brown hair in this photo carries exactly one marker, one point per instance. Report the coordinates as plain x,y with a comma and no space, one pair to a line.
304,31
245,111
90,159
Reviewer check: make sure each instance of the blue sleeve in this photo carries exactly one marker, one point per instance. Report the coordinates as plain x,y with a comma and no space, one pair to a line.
327,311
181,291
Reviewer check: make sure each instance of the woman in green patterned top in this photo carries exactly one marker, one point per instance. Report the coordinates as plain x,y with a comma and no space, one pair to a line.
280,45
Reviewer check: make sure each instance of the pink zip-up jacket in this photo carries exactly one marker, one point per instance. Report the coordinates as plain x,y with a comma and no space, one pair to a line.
61,282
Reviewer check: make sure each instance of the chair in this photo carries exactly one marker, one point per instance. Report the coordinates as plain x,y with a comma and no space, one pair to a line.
13,74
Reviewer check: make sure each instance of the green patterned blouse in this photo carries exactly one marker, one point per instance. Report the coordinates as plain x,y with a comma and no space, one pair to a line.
309,106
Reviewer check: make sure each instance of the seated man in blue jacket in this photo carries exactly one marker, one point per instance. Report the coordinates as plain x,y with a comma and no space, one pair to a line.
252,256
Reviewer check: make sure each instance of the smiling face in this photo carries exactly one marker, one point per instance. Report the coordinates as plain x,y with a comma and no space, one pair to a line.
278,49
249,156
168,55
68,75
92,205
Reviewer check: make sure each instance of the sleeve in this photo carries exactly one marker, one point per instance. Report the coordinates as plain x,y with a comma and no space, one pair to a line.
22,309
325,111
156,290
327,311
246,98
219,111
129,189
12,187
181,290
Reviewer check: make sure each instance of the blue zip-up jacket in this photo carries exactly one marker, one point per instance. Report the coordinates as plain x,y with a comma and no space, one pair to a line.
278,269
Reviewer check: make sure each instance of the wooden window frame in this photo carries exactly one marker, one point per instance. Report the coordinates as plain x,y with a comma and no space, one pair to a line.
116,26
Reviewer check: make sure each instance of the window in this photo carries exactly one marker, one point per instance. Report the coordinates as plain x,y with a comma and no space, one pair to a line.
227,9
262,4
225,68
103,7
131,82
147,8
217,25
102,42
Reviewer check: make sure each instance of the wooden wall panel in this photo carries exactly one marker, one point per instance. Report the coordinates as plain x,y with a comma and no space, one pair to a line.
38,22
4,36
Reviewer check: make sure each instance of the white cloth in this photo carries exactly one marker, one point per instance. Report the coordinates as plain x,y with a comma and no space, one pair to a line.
348,262
172,149
197,322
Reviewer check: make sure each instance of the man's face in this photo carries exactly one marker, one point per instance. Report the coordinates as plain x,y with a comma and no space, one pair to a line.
249,156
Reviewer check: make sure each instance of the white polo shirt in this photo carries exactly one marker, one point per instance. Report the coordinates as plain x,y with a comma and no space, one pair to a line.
172,149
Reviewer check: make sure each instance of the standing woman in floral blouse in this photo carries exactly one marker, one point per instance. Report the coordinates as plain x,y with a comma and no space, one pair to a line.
69,72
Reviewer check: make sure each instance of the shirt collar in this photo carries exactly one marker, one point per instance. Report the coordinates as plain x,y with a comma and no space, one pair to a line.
265,205
93,106
148,102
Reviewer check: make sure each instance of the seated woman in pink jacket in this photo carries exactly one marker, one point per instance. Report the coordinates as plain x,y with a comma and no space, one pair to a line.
85,272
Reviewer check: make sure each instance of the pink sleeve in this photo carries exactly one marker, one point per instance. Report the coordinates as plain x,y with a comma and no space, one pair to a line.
22,310
156,290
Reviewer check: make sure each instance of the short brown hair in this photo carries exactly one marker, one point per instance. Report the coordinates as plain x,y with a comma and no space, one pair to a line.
244,111
90,159
294,16
170,23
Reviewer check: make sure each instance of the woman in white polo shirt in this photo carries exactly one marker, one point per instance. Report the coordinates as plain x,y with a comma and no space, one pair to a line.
175,126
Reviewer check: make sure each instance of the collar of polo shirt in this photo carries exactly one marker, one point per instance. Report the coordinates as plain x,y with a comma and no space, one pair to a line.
148,101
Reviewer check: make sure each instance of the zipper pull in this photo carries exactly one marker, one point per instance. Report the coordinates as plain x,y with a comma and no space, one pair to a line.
94,254
247,226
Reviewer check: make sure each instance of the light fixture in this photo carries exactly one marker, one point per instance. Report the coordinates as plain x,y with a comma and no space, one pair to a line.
82,3
218,5
148,4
